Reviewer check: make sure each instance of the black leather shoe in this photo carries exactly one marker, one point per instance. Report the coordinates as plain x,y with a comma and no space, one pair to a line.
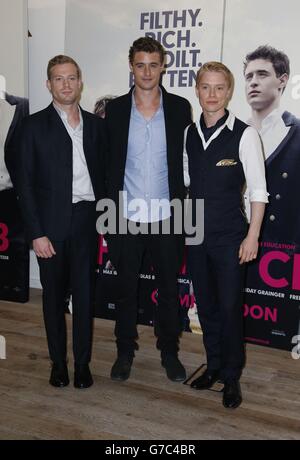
174,369
121,368
206,380
232,395
83,377
59,375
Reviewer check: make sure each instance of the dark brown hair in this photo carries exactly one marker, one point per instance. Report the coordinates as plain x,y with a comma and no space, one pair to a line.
148,45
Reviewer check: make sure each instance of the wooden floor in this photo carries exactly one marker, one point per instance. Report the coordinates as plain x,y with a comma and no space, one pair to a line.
147,406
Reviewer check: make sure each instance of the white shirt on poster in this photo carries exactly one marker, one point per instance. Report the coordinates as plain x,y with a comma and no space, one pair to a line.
6,116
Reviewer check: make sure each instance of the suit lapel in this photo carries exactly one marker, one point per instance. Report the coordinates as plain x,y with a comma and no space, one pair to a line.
61,139
169,125
87,140
124,122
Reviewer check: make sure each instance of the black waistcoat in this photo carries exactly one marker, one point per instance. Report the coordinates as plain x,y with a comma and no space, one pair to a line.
217,176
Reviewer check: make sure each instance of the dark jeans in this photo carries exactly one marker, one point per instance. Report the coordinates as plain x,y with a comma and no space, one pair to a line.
163,250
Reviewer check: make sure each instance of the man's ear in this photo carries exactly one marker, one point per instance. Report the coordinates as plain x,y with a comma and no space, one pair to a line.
48,84
284,78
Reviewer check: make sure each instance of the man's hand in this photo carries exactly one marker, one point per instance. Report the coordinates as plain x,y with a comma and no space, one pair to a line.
248,249
43,248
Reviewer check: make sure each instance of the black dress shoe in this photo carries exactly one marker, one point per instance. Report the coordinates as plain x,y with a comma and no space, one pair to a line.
206,380
59,375
232,395
174,369
83,377
121,368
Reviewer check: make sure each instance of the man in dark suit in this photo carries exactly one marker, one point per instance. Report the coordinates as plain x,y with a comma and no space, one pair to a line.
61,178
266,72
145,137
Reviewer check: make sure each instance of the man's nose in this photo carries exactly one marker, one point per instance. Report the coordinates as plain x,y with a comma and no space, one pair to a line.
66,82
147,70
253,81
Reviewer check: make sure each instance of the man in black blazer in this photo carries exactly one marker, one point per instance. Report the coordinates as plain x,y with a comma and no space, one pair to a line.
61,178
145,138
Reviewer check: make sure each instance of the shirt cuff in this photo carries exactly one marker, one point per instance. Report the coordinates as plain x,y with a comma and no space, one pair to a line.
259,195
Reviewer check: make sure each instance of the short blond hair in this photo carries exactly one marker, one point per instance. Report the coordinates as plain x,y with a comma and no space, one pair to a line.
62,59
215,66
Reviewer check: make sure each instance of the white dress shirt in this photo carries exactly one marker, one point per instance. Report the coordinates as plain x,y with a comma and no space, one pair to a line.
272,132
251,156
82,185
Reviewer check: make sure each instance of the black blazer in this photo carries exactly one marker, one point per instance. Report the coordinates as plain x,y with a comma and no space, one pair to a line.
45,176
177,112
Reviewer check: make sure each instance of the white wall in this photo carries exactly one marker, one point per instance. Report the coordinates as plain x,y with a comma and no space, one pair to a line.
251,23
47,27
13,53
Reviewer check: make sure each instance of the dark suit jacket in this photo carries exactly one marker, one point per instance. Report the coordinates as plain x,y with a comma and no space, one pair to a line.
282,217
11,147
45,179
177,112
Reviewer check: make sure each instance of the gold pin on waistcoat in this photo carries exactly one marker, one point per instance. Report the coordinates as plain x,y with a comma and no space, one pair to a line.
227,163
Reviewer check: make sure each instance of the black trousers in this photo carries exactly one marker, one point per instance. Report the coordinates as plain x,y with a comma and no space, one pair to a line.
163,250
73,265
218,281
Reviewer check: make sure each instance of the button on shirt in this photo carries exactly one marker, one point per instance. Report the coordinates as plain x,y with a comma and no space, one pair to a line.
251,156
82,185
146,186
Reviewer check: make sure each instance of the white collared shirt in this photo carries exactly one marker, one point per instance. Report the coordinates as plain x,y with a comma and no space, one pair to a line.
82,185
272,132
250,153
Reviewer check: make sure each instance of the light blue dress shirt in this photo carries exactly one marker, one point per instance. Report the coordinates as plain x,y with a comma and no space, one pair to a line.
146,192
